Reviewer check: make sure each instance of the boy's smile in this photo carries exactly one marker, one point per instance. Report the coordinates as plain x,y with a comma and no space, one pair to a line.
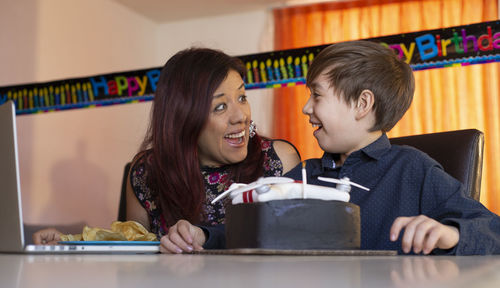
316,125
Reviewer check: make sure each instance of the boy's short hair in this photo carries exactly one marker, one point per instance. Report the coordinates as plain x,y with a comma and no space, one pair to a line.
354,66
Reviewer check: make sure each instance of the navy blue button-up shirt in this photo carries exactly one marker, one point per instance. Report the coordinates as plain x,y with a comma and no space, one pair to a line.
404,181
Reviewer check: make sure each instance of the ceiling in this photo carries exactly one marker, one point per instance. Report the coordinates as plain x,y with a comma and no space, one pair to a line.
162,11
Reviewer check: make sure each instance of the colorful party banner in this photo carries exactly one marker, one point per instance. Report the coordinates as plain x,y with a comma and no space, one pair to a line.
100,90
447,47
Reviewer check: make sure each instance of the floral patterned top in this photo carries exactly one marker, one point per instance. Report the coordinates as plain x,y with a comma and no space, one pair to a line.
216,181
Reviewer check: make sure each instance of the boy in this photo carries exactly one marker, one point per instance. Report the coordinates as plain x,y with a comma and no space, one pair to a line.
359,91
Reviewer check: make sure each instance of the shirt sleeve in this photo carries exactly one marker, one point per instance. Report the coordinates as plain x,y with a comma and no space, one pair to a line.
296,172
479,228
216,238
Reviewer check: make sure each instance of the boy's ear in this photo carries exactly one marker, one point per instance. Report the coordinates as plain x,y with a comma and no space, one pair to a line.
364,104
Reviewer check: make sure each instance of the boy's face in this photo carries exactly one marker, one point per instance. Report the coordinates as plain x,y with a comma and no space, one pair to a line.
337,130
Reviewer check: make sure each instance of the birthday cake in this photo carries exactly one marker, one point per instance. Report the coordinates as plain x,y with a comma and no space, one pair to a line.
296,224
281,213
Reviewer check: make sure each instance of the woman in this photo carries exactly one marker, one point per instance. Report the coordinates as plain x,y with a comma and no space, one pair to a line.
200,140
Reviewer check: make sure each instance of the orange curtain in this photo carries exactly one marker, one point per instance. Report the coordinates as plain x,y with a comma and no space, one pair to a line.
445,99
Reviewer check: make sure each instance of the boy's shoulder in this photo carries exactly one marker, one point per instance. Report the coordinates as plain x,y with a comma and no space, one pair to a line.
411,152
393,156
393,153
383,150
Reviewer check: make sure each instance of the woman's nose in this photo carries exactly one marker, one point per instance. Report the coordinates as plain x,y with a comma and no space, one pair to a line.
238,115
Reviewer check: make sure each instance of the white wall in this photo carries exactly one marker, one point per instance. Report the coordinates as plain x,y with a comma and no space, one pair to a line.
72,161
18,40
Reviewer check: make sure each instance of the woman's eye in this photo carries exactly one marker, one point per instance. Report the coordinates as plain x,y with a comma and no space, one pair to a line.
220,107
243,98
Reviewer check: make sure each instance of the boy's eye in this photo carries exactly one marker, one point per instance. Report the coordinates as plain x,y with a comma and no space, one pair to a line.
220,107
243,98
315,94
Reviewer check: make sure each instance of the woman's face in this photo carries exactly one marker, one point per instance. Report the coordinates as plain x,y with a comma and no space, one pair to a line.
224,139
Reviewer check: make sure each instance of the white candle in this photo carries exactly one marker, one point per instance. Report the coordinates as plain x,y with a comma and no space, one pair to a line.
304,180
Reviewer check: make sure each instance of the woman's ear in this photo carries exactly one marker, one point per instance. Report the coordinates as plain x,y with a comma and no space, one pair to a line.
365,103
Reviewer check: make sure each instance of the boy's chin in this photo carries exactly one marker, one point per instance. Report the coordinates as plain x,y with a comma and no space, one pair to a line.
325,148
329,148
324,145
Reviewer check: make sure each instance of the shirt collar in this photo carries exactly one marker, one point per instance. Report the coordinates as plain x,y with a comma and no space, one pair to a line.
378,148
374,150
328,160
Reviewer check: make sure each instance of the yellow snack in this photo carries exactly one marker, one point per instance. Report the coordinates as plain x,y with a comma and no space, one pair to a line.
105,235
120,231
71,237
130,229
147,237
89,234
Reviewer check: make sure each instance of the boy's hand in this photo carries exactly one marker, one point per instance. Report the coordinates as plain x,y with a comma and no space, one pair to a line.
424,234
48,236
182,237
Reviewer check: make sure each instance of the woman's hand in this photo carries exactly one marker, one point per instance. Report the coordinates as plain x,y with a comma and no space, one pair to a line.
182,237
48,236
423,234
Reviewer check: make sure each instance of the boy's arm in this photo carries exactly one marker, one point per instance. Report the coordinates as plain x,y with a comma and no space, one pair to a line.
479,231
423,234
215,236
478,228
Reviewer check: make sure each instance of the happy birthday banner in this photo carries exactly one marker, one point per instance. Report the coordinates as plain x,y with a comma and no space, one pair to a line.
100,90
447,47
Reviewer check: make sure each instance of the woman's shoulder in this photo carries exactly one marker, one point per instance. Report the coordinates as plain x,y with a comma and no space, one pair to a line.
279,145
139,170
282,150
140,159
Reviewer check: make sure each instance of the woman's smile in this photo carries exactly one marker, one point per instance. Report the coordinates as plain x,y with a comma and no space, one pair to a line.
235,139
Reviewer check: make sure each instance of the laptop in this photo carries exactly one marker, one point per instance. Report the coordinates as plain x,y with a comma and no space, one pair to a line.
11,216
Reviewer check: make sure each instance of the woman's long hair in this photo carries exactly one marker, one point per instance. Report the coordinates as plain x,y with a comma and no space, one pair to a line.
180,111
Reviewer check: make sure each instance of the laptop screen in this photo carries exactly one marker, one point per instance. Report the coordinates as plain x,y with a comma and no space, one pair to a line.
11,224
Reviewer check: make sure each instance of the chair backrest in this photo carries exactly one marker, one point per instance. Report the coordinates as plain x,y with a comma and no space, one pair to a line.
122,208
460,153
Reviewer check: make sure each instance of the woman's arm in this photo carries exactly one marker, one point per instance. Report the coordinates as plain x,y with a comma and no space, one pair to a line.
135,211
287,153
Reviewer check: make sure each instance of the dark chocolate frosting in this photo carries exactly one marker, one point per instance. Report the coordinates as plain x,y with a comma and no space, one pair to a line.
293,224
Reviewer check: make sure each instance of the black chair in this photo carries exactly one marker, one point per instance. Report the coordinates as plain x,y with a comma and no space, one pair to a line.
460,153
122,208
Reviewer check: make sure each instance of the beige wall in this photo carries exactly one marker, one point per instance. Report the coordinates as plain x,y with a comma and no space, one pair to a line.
72,161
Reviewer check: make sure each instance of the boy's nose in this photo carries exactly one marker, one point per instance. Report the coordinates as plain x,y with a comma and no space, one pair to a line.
307,109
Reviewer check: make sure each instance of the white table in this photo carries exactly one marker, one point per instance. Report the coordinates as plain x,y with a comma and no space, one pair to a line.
151,271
